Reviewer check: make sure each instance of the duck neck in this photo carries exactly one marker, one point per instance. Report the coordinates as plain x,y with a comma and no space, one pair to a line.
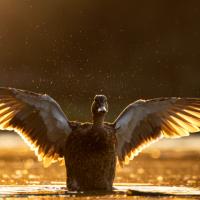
98,120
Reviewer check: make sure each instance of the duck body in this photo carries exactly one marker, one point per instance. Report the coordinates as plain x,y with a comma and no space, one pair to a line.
91,158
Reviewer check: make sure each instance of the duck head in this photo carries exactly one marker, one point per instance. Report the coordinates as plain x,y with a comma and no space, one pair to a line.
100,105
99,109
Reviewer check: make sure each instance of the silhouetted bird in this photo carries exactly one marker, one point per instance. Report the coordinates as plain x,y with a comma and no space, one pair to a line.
90,150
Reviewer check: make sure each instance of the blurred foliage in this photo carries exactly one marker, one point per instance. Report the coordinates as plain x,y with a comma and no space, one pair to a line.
74,49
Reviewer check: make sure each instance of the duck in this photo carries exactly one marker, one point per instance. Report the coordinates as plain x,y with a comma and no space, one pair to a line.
91,150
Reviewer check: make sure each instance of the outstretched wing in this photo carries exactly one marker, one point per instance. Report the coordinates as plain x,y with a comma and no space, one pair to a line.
38,119
146,121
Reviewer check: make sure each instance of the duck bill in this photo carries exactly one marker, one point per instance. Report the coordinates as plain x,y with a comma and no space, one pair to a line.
102,109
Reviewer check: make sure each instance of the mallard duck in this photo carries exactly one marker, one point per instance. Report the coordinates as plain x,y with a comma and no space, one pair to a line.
90,150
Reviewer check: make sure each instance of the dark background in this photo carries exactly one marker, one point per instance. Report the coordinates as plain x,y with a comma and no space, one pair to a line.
74,49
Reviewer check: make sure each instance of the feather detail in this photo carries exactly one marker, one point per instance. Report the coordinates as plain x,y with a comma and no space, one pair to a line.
38,119
146,121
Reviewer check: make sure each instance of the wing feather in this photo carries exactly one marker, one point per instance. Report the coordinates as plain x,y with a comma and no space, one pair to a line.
38,119
144,122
